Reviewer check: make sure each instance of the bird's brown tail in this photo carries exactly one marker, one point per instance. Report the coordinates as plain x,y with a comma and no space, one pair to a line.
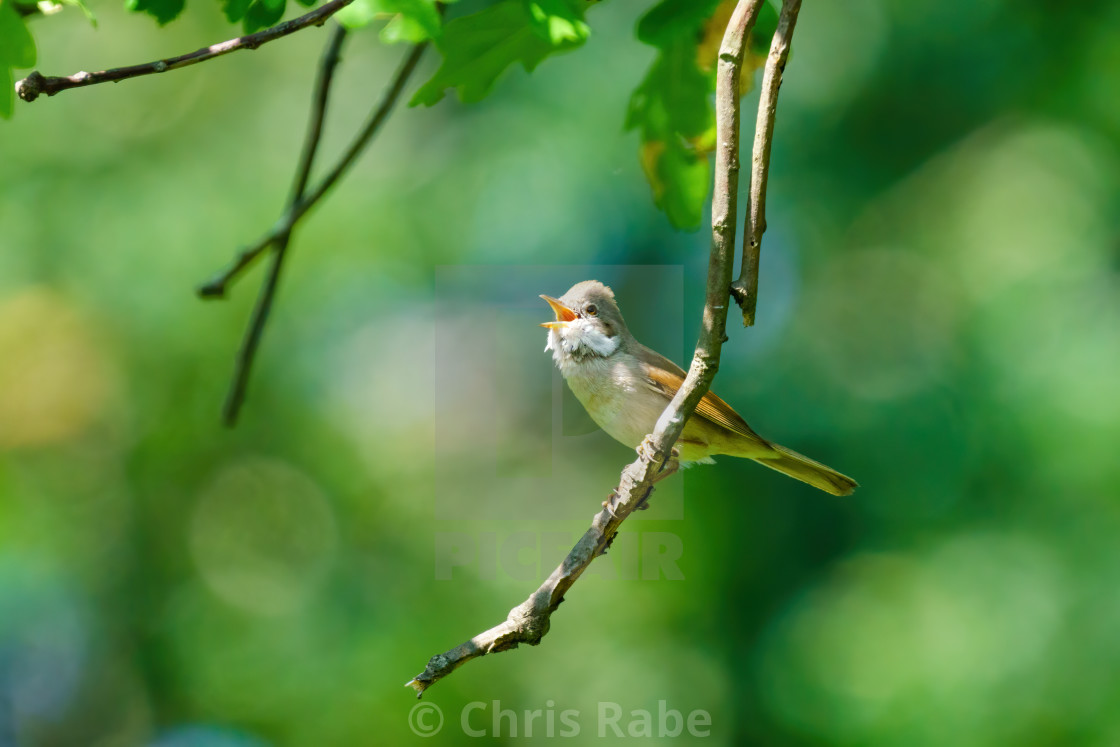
803,468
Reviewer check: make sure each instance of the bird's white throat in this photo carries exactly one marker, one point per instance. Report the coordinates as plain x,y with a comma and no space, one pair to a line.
576,341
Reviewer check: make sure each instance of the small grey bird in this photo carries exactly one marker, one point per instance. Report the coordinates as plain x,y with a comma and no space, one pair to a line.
625,386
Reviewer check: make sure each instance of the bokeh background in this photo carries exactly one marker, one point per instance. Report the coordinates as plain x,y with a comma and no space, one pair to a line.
939,318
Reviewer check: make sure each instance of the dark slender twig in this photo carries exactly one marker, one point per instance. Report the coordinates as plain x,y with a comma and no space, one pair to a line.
216,286
745,289
331,56
247,353
280,235
529,621
36,83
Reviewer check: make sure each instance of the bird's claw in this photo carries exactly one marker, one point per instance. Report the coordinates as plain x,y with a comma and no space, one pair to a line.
612,501
609,504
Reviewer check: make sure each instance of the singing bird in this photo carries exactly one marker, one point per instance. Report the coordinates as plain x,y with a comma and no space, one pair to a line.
625,386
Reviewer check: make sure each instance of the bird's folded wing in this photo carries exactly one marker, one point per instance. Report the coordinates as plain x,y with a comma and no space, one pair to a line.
711,408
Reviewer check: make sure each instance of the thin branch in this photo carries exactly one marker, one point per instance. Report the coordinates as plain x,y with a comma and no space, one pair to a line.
35,84
745,289
253,332
280,235
529,621
331,56
216,286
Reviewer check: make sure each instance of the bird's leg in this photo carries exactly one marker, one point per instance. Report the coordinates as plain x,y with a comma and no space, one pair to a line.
671,465
609,503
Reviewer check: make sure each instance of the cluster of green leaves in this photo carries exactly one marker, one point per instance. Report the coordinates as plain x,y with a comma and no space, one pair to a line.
254,15
407,20
477,48
671,109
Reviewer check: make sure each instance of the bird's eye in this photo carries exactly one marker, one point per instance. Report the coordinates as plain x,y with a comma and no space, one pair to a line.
591,309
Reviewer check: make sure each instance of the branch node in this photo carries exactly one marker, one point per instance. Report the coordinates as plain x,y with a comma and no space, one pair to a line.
30,87
212,289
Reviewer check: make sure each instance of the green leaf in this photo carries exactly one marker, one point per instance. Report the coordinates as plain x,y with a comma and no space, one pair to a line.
478,48
8,95
235,10
81,5
408,20
672,108
558,21
401,28
671,20
17,48
164,11
680,178
672,111
262,14
357,14
414,21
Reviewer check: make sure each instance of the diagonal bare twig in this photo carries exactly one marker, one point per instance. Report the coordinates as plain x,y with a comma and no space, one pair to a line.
280,235
529,621
36,83
745,289
216,286
253,332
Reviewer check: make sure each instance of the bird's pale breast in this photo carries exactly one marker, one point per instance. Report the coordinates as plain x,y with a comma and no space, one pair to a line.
615,394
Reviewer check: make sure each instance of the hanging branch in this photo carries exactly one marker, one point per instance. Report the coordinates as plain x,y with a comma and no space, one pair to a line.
216,286
745,289
529,621
35,84
279,236
247,352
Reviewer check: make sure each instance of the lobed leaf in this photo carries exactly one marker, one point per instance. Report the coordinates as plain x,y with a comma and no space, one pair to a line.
479,47
235,10
672,111
672,108
408,20
164,11
263,13
81,5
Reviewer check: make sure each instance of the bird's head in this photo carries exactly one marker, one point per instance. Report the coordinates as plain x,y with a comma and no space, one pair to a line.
588,322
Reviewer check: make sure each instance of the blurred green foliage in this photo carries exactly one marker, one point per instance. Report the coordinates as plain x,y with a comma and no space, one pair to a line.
938,317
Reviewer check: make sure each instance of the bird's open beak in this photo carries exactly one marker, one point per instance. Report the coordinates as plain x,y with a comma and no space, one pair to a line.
564,315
